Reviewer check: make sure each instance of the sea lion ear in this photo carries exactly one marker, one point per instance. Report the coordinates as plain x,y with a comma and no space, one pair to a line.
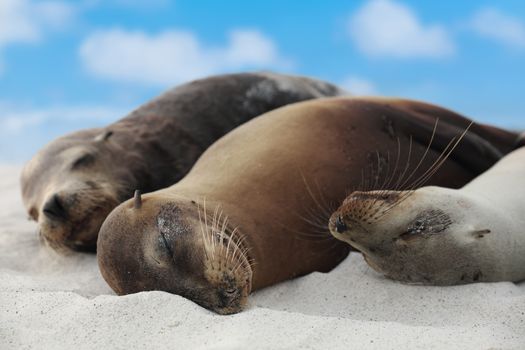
104,136
137,199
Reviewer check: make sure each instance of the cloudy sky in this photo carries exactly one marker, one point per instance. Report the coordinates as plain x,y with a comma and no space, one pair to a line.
66,65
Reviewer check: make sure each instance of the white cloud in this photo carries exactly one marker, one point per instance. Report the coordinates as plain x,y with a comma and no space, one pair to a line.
128,4
391,29
358,86
18,121
24,130
174,56
25,21
493,24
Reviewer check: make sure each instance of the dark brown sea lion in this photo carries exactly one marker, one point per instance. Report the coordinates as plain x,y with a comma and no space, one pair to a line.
253,210
71,185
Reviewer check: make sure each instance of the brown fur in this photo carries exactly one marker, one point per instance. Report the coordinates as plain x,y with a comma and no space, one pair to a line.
82,176
275,179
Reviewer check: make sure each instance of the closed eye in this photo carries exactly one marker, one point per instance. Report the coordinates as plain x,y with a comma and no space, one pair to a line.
83,161
165,243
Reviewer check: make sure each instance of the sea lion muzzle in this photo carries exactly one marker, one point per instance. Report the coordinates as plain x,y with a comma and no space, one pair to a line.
340,225
54,209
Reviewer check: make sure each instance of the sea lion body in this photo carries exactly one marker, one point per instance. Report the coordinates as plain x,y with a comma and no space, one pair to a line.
71,185
445,236
274,179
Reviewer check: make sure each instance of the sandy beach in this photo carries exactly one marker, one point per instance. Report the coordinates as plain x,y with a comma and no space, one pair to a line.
56,302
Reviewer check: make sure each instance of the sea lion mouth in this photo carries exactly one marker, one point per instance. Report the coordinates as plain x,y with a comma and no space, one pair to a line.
227,262
340,225
345,226
78,229
54,209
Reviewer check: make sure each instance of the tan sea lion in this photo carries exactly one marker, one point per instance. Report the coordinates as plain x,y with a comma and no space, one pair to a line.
253,210
443,236
71,185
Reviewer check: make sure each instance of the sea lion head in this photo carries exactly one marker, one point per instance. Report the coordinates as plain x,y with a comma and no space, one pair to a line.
416,236
174,245
71,185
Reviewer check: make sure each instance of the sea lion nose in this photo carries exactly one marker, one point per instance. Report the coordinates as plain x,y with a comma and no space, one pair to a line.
54,209
340,225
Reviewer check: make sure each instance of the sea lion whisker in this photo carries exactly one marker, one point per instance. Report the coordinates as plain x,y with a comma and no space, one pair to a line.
427,149
315,218
309,191
387,208
443,157
380,188
221,229
375,175
242,262
301,234
387,176
449,148
434,165
407,165
321,235
214,230
239,247
398,157
328,206
203,235
319,223
207,239
232,234
231,246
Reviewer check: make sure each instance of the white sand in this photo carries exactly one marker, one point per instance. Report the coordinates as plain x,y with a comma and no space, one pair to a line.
50,302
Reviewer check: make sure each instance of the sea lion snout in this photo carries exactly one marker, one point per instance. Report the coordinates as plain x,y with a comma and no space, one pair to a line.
69,217
54,208
340,225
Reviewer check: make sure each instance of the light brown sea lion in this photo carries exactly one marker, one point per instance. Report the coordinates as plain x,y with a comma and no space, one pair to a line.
443,236
251,211
71,185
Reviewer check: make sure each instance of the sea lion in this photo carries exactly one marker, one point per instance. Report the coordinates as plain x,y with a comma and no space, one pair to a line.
249,213
441,236
520,142
71,185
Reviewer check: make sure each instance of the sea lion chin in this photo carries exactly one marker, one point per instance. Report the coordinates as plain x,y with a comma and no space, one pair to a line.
71,185
273,178
441,236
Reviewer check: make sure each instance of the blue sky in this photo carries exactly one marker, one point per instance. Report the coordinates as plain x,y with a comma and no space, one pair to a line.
66,65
